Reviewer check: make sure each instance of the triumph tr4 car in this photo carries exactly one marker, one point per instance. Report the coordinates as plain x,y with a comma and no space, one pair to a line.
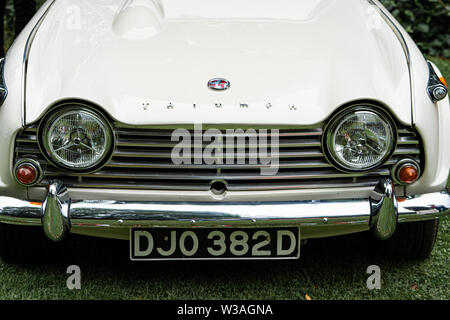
220,129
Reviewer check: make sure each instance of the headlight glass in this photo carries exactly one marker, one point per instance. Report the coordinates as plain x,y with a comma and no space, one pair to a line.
77,139
360,139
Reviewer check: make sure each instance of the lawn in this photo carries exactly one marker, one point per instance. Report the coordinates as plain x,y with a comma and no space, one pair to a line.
332,268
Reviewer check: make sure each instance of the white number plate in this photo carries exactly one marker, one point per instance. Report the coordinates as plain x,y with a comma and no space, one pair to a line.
250,243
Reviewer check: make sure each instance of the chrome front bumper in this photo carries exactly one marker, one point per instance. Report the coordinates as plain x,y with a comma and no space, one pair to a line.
58,215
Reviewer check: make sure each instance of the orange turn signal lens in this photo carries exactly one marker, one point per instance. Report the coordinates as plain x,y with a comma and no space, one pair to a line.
26,174
408,174
443,81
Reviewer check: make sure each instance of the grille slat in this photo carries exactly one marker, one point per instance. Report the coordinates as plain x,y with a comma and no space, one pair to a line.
27,138
408,141
232,185
168,133
189,175
142,153
143,160
407,151
143,143
166,165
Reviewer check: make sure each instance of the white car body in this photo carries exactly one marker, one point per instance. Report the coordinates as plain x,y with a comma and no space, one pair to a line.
306,59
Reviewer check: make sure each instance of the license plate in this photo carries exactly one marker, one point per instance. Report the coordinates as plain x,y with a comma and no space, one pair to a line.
205,244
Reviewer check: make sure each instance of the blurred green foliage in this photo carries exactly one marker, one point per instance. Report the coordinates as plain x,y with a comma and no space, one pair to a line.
428,22
9,23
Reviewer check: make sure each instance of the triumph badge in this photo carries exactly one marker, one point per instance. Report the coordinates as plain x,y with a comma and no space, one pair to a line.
218,84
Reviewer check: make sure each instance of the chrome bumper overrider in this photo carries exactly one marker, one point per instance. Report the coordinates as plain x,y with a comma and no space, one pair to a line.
58,215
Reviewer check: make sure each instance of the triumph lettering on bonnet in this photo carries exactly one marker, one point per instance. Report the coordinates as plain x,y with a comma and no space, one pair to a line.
217,105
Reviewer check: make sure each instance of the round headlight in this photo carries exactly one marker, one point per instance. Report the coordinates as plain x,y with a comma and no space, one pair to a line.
76,139
360,139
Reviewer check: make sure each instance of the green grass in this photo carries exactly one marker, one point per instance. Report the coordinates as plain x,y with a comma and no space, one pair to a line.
332,268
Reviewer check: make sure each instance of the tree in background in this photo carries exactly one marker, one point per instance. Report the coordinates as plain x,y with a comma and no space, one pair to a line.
24,11
427,21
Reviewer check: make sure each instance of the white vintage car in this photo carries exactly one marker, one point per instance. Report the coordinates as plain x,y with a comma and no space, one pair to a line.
220,129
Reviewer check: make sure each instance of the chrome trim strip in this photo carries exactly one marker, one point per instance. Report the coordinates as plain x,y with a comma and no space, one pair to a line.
233,176
26,56
317,132
405,48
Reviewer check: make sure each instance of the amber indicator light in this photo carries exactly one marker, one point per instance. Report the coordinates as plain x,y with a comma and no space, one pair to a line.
408,174
26,174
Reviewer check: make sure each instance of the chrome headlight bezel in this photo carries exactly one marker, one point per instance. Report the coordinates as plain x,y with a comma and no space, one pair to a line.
333,124
72,108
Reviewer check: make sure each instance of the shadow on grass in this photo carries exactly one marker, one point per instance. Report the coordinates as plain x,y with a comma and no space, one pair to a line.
318,256
330,268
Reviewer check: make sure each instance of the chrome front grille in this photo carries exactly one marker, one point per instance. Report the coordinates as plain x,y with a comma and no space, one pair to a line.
142,160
